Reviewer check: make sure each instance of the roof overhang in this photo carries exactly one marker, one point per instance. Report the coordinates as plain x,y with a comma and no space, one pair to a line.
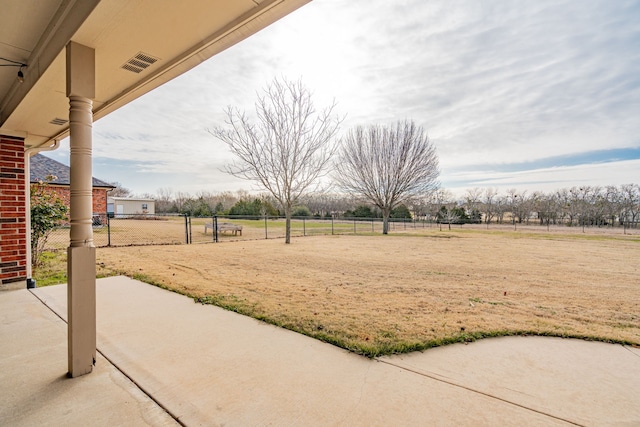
172,36
131,199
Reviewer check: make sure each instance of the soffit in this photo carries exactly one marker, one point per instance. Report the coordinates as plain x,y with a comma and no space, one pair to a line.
20,33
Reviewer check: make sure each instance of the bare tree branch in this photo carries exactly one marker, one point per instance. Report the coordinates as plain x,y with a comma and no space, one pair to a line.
387,165
289,147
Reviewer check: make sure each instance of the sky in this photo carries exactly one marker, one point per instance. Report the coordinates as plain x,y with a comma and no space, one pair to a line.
532,95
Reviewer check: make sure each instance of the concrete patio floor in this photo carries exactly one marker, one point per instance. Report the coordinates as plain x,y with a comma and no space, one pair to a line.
165,360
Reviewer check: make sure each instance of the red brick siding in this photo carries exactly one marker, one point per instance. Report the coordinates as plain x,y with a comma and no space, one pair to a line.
62,192
99,201
13,229
99,198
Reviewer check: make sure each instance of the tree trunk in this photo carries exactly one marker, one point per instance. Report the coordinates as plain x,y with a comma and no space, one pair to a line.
385,220
287,235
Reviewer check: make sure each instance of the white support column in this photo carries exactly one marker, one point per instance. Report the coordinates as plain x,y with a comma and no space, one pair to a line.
81,259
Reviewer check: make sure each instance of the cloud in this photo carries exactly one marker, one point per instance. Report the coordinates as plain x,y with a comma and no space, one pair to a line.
492,82
546,179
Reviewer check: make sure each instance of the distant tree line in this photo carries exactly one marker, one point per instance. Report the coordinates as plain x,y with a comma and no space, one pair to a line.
575,206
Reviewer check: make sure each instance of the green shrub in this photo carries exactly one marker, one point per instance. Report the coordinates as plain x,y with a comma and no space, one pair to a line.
48,212
361,211
255,207
401,211
301,211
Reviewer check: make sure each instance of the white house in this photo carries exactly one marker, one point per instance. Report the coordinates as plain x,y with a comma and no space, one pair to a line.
129,206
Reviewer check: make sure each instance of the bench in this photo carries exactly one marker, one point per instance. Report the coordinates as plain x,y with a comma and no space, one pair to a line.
223,227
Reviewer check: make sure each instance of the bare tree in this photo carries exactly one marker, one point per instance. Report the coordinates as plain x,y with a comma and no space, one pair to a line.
472,203
321,203
289,147
630,205
489,204
544,206
225,200
514,202
118,190
472,198
418,207
450,217
181,199
501,207
599,207
164,200
577,207
435,200
387,165
613,197
565,211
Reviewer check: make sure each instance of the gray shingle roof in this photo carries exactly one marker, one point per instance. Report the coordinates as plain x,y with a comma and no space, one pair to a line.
43,166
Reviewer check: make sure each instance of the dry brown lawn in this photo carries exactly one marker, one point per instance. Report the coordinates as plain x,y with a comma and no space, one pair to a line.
383,294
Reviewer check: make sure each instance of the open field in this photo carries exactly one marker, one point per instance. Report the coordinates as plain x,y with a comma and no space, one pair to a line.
384,294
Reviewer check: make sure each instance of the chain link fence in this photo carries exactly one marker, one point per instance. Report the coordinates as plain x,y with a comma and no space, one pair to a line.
128,230
230,228
138,230
159,229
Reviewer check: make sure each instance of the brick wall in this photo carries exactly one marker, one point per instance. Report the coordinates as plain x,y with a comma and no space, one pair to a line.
99,198
99,201
63,192
13,231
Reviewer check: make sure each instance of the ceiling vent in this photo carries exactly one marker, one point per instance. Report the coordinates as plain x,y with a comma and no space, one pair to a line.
139,63
59,122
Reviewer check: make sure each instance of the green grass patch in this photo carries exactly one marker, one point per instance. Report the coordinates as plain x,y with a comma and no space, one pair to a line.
53,269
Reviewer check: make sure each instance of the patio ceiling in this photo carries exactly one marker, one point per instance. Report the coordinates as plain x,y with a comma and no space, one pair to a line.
158,39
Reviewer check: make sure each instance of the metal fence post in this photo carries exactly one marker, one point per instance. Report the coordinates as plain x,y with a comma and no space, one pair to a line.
108,230
304,227
332,225
186,229
266,233
354,226
215,228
